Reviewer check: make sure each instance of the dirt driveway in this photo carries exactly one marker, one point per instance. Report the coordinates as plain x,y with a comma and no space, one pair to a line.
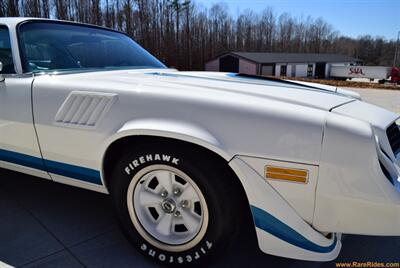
389,99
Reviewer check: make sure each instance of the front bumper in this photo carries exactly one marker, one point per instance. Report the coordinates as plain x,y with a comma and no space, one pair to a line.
354,195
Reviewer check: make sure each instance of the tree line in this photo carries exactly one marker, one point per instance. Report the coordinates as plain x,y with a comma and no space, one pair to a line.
185,34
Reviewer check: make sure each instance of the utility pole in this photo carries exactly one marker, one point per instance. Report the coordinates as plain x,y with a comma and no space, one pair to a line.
396,50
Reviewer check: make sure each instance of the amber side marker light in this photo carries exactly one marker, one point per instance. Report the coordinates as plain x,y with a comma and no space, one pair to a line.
286,174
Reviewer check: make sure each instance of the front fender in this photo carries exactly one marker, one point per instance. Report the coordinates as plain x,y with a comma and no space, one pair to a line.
303,242
280,230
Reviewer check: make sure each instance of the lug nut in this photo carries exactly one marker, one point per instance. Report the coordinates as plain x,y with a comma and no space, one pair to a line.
177,214
184,204
177,191
164,193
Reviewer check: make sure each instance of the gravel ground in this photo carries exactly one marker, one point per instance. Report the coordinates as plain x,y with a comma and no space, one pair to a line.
389,99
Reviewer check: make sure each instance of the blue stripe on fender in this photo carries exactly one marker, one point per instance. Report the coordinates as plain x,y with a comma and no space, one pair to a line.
275,227
67,170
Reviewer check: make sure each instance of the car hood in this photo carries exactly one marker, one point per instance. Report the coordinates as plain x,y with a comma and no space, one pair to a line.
230,85
378,117
339,90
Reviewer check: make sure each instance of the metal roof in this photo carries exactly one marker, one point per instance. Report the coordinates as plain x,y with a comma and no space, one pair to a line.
269,57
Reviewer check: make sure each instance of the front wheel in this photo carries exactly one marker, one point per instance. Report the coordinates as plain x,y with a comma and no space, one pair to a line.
174,205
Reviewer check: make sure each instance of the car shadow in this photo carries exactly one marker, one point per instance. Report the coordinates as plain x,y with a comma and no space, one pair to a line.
43,223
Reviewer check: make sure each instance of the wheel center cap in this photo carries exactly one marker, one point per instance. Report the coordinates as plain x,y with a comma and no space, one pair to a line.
168,205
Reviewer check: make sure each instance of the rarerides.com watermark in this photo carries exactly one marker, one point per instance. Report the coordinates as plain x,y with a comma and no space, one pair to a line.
368,264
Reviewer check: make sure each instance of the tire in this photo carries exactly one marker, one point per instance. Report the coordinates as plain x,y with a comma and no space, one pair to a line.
196,221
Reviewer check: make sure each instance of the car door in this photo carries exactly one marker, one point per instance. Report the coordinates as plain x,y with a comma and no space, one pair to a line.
19,148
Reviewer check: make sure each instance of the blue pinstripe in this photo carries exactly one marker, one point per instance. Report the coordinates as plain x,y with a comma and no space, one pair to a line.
67,170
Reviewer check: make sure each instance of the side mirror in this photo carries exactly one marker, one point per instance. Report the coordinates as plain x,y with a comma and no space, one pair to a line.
1,69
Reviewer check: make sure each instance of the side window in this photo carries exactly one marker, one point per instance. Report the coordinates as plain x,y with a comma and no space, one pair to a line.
5,51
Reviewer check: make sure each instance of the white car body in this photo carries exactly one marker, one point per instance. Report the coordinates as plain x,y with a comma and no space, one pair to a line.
59,126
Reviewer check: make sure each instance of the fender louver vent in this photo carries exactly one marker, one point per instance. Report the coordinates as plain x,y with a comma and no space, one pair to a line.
84,109
393,133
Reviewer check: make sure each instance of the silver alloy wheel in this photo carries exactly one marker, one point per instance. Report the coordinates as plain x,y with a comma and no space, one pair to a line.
167,208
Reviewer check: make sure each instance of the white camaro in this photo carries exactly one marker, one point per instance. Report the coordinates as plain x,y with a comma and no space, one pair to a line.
191,158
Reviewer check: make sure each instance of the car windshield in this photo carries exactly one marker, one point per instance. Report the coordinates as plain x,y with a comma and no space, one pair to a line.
65,46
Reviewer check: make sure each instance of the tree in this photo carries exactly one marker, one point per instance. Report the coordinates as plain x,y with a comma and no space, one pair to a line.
12,8
178,6
185,34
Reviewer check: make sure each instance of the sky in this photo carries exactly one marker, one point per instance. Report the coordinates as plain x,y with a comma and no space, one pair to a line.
350,17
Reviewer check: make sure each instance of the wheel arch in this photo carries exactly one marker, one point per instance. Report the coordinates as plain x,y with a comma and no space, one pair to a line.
146,130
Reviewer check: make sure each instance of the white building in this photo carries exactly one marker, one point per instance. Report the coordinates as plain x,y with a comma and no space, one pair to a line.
279,64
